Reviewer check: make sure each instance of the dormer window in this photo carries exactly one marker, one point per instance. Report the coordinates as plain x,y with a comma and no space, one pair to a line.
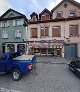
59,14
34,18
72,13
45,17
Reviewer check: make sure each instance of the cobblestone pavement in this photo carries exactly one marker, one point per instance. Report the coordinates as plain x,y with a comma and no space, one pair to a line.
51,59
47,77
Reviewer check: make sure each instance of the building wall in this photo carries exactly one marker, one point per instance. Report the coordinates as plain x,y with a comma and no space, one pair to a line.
11,34
64,26
50,25
66,11
74,39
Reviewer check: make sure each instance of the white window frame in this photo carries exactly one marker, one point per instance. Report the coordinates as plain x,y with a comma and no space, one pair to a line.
4,34
73,11
17,34
4,24
18,22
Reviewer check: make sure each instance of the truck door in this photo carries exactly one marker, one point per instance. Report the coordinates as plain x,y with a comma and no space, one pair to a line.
2,63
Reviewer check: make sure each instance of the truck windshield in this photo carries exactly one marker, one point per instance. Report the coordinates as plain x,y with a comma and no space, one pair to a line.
14,55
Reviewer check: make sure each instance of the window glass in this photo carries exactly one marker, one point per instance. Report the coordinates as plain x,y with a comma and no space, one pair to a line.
2,58
73,13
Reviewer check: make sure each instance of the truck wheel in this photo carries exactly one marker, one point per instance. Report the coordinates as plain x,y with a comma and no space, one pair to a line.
16,74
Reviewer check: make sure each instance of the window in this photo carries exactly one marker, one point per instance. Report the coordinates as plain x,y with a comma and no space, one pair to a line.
18,22
79,12
56,31
36,50
44,31
43,51
11,48
34,18
4,24
45,17
73,30
72,13
2,58
33,32
21,47
4,34
18,33
59,15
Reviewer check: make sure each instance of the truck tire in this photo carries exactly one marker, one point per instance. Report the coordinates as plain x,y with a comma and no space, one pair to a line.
16,74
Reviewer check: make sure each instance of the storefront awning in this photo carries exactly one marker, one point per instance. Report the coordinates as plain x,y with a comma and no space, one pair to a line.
57,44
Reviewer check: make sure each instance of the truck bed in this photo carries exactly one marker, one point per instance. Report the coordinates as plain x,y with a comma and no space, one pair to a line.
24,57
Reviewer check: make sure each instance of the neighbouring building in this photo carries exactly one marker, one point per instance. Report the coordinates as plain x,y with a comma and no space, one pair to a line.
57,30
13,26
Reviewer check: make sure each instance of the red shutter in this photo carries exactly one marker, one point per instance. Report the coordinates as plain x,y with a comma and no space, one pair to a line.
42,31
73,30
43,17
47,17
46,31
34,32
56,31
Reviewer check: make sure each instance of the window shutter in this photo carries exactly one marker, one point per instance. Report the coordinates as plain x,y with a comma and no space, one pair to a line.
46,31
47,17
56,31
43,17
73,30
34,32
14,22
42,31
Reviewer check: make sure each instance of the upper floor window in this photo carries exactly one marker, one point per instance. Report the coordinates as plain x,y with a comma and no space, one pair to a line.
56,31
72,13
79,12
59,14
33,32
18,22
4,34
4,24
73,30
44,31
34,18
45,17
18,33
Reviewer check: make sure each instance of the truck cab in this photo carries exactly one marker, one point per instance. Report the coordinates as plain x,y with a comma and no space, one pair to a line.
17,64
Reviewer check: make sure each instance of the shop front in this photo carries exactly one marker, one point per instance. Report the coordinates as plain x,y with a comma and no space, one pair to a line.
47,48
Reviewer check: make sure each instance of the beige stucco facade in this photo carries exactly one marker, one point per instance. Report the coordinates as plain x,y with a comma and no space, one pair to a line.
66,11
64,24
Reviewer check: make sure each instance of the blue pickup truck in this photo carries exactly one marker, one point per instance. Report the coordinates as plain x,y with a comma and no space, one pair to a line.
17,64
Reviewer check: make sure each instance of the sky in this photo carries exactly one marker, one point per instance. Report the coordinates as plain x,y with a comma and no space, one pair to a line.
28,6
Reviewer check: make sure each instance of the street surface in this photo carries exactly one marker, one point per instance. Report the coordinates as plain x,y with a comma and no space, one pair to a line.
51,75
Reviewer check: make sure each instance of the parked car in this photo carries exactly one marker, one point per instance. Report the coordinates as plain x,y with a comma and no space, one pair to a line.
17,65
75,66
